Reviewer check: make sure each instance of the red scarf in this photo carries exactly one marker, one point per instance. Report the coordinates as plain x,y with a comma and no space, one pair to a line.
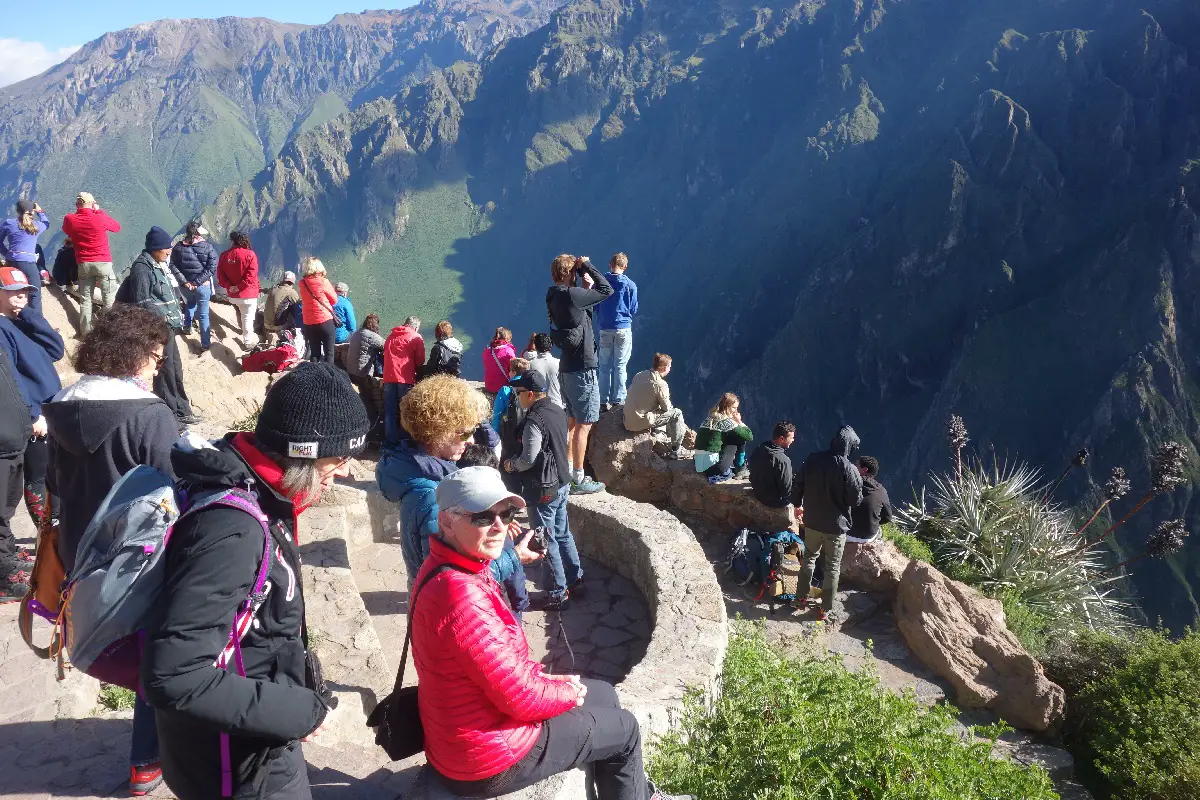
269,473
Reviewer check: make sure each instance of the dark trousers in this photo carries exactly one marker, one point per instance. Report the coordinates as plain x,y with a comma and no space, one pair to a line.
168,383
732,455
370,391
37,459
393,393
12,483
320,341
143,749
34,276
599,735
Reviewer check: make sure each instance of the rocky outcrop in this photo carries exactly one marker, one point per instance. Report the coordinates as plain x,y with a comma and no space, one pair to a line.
961,635
874,566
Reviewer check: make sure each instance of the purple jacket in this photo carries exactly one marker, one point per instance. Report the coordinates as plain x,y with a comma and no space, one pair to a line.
16,243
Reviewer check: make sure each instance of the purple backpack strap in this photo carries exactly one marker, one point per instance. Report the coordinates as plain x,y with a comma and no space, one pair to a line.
244,616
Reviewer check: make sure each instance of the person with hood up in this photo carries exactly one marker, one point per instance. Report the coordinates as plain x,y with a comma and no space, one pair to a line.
721,441
344,323
148,285
316,301
237,273
445,357
495,360
310,426
403,355
102,426
32,347
441,414
278,312
89,228
194,264
826,491
18,245
15,430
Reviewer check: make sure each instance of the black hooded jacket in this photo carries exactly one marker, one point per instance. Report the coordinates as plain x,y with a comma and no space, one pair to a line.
15,426
211,565
829,486
873,512
100,428
771,475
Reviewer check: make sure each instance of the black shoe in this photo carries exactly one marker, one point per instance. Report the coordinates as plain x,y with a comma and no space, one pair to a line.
577,591
548,603
188,419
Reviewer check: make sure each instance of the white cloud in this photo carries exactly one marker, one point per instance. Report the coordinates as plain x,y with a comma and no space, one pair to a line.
20,60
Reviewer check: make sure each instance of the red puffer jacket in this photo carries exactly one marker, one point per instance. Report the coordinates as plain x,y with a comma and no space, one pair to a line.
483,699
237,271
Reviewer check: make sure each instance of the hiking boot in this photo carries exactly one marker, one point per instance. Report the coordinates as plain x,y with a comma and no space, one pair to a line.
586,486
189,419
144,780
577,590
548,603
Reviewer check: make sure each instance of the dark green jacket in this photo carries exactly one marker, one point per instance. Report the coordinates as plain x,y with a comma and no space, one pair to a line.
149,285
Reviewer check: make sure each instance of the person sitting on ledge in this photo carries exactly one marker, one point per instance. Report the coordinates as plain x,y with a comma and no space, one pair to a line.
494,721
648,407
771,469
721,441
874,510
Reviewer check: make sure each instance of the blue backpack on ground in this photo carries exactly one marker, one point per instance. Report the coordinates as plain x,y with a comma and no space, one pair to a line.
757,561
119,573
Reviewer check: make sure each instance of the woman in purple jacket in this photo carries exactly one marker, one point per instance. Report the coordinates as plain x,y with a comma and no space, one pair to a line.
18,245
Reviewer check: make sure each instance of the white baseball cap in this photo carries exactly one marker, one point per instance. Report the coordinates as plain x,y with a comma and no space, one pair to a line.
474,489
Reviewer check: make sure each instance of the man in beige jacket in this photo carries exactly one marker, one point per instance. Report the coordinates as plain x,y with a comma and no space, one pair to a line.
648,407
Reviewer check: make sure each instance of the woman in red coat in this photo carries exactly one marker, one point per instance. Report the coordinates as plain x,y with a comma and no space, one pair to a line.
237,274
494,721
317,299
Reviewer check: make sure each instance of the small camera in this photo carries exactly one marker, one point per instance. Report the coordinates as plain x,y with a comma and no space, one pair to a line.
539,540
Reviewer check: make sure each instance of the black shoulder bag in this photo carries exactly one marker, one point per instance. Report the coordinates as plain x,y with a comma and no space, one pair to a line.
397,719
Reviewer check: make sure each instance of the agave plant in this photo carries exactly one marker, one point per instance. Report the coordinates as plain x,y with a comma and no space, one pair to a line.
996,526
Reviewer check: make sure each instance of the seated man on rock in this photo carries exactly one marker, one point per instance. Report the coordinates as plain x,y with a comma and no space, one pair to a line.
874,510
771,468
648,407
494,721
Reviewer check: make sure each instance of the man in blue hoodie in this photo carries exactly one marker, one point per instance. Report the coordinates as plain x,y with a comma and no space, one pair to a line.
615,317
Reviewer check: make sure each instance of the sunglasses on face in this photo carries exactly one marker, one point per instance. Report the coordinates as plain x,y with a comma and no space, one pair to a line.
159,360
484,519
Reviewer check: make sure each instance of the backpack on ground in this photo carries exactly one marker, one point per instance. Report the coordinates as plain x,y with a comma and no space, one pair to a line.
268,359
119,571
768,564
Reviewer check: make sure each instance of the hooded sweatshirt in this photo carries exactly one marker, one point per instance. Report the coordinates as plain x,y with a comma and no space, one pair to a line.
100,428
617,312
403,354
32,347
15,424
830,486
445,358
18,244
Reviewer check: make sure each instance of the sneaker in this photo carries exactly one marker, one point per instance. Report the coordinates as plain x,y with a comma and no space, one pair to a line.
189,419
605,408
548,603
577,590
742,474
12,590
586,486
144,780
680,453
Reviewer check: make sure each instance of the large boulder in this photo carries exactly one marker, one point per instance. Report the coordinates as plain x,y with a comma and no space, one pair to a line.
626,462
961,635
874,566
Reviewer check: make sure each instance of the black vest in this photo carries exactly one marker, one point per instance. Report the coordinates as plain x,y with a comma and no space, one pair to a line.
552,469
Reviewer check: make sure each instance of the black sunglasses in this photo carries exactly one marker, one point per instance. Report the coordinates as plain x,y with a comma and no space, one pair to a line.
484,519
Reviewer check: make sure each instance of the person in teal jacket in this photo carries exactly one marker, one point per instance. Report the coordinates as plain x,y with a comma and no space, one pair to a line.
344,323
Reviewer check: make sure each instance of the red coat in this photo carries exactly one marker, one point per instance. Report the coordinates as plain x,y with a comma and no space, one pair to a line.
403,352
314,291
483,699
495,365
89,229
237,271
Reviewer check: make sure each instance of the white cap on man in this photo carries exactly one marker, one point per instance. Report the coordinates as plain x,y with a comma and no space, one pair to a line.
289,277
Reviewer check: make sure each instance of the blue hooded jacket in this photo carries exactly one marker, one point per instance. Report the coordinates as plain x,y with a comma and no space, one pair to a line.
32,347
343,319
408,476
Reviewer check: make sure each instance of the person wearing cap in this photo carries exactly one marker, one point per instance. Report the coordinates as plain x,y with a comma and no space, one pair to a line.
148,285
32,347
546,484
194,265
15,430
88,229
310,426
494,721
18,244
282,298
344,322
237,273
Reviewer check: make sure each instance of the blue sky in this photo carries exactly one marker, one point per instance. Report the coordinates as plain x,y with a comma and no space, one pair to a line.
34,40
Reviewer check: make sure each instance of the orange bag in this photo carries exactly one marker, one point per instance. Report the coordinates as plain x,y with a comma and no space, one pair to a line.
44,598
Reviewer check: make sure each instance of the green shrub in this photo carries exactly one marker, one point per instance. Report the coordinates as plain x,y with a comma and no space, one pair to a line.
115,698
908,544
786,728
1029,626
1137,722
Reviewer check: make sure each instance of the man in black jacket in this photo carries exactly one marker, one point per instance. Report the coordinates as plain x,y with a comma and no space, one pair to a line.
771,469
826,492
15,430
311,424
547,485
570,310
875,510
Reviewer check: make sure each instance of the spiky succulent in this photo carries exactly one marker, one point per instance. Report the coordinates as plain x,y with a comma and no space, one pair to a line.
956,433
1166,471
1169,537
1081,458
1117,485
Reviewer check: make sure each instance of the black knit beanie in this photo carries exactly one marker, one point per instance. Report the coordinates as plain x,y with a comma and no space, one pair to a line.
313,412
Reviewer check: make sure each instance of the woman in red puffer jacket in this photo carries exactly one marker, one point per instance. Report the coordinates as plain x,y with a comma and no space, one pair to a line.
317,299
494,721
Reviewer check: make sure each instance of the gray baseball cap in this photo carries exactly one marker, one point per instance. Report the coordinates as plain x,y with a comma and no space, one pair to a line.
474,489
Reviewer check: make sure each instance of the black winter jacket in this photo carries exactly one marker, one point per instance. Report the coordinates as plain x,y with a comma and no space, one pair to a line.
66,269
148,286
570,307
771,475
445,358
874,511
15,425
552,469
194,263
211,565
100,428
830,486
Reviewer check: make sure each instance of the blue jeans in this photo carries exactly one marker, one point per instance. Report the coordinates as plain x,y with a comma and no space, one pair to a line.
144,749
615,347
34,278
393,393
562,559
196,305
